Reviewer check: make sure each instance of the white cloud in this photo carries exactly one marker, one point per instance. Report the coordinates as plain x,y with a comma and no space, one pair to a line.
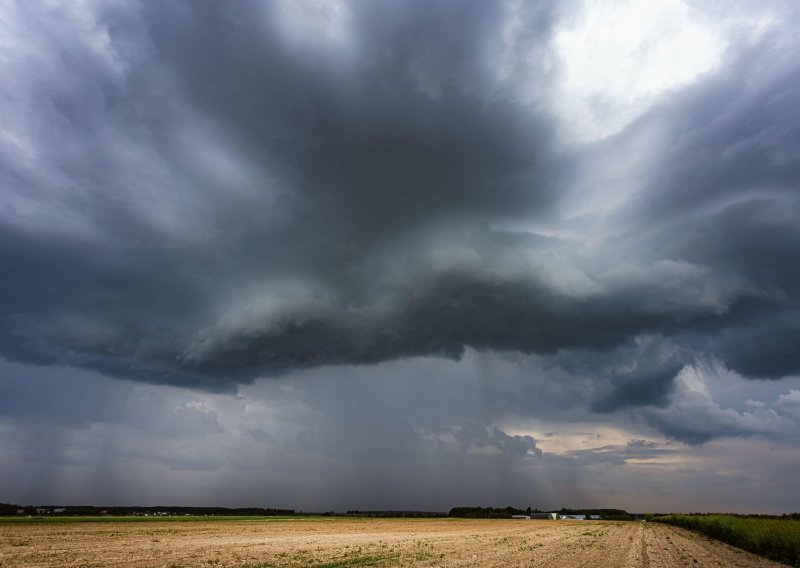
790,403
319,24
619,56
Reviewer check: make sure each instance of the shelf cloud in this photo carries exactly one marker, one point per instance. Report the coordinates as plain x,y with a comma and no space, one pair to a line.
209,196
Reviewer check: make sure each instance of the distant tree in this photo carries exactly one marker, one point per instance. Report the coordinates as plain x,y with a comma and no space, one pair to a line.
7,509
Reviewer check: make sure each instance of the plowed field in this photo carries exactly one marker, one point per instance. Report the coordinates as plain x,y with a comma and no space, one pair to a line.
364,542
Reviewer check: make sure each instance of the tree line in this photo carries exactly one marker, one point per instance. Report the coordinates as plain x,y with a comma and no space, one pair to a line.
7,509
508,512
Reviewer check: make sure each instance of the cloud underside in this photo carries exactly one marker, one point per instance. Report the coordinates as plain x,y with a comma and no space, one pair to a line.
423,433
384,182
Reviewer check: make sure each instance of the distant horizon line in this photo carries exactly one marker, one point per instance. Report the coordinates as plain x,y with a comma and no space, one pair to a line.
6,510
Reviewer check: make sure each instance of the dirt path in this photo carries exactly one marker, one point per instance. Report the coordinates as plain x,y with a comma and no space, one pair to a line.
365,542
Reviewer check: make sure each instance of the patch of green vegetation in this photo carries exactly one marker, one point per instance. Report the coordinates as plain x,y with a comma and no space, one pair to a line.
774,538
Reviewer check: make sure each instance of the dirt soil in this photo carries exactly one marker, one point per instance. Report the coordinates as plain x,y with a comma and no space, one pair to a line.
335,543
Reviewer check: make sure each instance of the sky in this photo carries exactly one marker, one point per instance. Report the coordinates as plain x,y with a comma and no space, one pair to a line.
331,255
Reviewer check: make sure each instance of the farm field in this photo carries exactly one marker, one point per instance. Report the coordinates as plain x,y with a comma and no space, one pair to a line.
344,542
778,539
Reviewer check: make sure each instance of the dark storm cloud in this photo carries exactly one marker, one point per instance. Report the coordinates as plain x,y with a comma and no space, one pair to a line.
353,155
378,208
727,198
202,194
639,389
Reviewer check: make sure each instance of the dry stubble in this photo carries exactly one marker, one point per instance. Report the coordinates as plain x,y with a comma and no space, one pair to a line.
364,542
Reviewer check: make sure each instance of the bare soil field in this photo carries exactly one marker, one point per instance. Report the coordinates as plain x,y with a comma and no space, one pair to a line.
332,543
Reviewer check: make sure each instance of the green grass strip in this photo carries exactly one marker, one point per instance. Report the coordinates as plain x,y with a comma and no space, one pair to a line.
776,539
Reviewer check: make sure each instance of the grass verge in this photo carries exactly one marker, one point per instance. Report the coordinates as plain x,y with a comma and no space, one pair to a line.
776,539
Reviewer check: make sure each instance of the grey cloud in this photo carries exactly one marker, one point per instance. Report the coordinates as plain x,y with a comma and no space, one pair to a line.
418,157
733,140
720,194
360,242
770,351
637,389
266,203
82,399
790,402
423,433
478,439
694,417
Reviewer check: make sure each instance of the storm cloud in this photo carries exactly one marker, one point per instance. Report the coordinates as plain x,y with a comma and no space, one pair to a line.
209,196
203,212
